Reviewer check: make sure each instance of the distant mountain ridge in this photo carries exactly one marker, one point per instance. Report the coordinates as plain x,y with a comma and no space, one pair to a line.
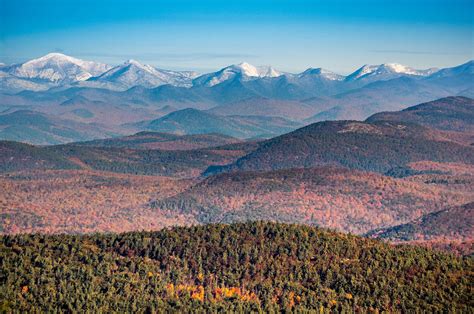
34,127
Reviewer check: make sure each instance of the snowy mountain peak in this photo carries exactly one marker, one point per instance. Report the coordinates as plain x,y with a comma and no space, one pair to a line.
387,70
257,71
140,66
246,69
366,69
133,73
400,68
57,56
58,67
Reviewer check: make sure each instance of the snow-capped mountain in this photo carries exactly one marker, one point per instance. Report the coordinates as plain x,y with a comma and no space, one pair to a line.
58,71
244,71
466,68
57,68
132,73
319,72
122,95
387,71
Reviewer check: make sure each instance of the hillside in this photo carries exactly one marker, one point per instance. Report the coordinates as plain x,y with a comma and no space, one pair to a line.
241,267
179,163
89,200
192,121
148,162
85,201
337,198
164,141
378,146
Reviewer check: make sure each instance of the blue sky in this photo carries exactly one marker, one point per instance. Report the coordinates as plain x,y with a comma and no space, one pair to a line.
339,35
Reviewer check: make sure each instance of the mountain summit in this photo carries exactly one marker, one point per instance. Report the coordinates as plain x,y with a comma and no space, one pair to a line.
244,71
326,74
132,73
57,68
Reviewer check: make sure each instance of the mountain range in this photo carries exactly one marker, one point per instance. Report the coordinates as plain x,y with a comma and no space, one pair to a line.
246,101
62,69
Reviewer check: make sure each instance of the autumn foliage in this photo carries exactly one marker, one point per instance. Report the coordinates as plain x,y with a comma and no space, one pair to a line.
252,267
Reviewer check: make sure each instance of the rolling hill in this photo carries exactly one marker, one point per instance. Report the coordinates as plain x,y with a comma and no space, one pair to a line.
193,121
39,128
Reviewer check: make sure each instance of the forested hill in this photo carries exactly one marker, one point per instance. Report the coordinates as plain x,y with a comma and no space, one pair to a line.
450,114
240,267
372,146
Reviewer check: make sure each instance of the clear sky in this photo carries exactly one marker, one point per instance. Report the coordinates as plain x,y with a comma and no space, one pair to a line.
291,35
